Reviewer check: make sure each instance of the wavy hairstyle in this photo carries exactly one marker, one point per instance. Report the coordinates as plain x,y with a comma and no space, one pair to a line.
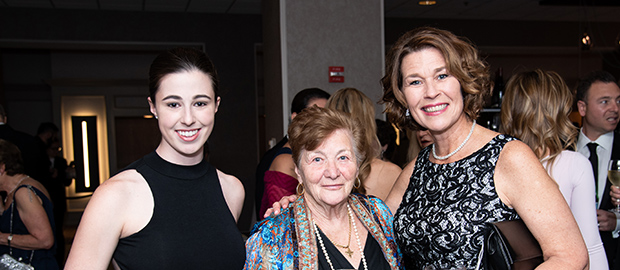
535,109
11,158
462,62
310,128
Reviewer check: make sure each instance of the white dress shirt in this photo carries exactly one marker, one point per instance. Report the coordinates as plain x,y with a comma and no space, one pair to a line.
605,143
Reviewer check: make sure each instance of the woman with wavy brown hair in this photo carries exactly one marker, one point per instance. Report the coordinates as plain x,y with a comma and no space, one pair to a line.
535,109
470,175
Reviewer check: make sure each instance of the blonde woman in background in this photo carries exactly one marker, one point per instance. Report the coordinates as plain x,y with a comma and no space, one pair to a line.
378,178
535,109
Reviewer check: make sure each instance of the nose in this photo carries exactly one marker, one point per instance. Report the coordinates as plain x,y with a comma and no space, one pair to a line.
431,90
331,171
188,116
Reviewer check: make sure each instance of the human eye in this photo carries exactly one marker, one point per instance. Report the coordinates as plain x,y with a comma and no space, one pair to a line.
442,76
173,104
414,82
200,103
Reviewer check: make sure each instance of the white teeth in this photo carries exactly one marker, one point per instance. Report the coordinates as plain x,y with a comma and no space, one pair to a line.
435,108
188,133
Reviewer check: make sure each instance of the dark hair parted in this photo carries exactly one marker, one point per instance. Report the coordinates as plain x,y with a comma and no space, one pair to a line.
310,128
586,82
462,62
11,157
535,109
180,60
301,99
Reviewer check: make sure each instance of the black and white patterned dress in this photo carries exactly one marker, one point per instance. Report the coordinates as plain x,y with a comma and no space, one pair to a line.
441,218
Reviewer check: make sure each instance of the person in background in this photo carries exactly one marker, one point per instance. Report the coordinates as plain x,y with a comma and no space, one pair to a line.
275,174
170,209
327,227
387,139
470,175
34,160
535,109
59,179
378,178
598,102
27,221
421,139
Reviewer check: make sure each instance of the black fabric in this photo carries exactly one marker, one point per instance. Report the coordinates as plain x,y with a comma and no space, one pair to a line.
441,219
594,162
191,226
43,259
261,168
372,251
611,244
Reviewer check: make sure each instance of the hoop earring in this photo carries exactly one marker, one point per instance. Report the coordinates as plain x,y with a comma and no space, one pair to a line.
303,190
357,183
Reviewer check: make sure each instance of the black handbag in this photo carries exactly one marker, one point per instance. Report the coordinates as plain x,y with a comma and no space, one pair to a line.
509,245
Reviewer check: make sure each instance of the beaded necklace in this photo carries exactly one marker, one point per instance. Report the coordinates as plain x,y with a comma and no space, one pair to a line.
458,148
357,237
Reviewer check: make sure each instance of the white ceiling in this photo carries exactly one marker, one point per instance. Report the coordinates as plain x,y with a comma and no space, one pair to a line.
444,9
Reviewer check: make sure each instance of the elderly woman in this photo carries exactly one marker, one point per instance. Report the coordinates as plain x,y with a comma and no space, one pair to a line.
535,109
378,178
27,221
470,175
327,227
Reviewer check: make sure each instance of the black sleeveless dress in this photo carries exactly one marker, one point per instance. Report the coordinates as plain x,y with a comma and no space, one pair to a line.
191,226
441,218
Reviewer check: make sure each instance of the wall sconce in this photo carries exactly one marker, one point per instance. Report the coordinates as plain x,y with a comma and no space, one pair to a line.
85,153
586,42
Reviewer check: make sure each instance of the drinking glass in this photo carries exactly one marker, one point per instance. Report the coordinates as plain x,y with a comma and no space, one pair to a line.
613,174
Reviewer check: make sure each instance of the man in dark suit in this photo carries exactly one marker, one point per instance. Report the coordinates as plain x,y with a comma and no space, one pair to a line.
27,145
598,101
303,99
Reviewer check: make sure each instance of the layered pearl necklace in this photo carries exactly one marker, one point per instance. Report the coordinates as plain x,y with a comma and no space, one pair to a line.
458,148
18,182
357,237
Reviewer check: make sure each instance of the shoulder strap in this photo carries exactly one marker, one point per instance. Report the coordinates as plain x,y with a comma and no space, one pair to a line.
11,221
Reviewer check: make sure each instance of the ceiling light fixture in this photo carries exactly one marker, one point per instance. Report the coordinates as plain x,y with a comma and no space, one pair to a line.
586,42
427,3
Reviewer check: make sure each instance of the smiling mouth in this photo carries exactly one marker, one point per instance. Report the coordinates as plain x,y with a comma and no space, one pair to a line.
188,135
435,108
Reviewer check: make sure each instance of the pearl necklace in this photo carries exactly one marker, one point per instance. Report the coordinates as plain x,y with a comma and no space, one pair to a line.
357,237
458,148
18,182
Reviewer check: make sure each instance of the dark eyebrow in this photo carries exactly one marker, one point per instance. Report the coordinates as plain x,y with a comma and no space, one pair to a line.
202,96
172,97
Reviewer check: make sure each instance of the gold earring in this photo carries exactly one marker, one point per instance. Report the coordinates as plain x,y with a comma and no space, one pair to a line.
303,190
357,183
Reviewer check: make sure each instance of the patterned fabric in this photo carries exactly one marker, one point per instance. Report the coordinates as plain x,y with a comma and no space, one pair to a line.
287,241
441,218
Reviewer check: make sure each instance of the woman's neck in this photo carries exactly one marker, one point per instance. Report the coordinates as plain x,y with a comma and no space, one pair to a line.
328,215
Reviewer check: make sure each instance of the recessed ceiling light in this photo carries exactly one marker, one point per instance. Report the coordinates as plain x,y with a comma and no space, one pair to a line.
427,3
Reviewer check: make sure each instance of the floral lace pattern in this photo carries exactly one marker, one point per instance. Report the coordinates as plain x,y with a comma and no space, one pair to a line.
441,218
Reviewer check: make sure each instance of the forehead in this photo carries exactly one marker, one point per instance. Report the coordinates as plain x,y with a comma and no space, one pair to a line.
602,90
338,140
193,82
427,58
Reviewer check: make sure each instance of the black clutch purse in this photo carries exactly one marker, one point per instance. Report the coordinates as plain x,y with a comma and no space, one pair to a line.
509,245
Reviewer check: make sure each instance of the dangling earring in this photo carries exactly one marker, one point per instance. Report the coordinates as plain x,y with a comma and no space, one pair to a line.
156,117
303,190
357,183
407,114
